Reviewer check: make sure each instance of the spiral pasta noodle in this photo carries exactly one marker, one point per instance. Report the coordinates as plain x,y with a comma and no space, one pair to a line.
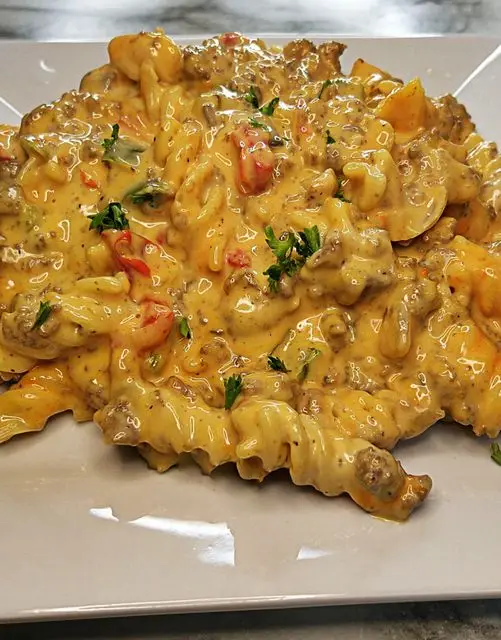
237,253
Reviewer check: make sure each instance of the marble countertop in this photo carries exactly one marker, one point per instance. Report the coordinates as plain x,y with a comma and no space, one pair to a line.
102,19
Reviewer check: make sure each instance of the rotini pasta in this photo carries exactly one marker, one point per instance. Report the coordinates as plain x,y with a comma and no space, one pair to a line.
238,253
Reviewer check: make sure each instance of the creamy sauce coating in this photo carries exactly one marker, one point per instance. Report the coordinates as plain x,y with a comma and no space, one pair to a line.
388,323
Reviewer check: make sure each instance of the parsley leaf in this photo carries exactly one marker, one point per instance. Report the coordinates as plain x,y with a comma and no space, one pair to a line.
340,192
274,273
154,192
232,389
310,241
268,109
125,152
281,247
111,217
496,453
325,84
42,316
108,143
275,140
277,365
311,354
184,328
251,97
330,139
328,83
259,125
305,245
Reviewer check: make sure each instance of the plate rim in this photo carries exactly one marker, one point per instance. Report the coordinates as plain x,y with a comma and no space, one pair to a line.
238,603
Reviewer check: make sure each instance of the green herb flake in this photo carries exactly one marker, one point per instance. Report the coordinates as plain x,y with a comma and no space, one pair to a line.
496,453
306,243
277,365
251,97
154,361
340,192
325,84
275,140
281,247
329,83
120,151
232,389
184,328
268,109
311,354
42,316
153,192
108,143
330,139
111,217
309,241
274,273
259,125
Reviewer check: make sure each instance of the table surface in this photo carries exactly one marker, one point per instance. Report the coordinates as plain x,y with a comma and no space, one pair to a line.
102,19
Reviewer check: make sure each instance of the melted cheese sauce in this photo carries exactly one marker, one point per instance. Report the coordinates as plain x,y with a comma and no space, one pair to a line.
398,305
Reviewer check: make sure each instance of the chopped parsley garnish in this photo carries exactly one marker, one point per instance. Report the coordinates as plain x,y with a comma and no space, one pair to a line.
311,354
340,192
108,143
277,365
121,151
310,241
184,328
282,246
305,244
328,83
153,192
496,453
154,360
42,316
251,98
268,109
259,125
274,274
275,140
325,84
330,139
232,389
111,217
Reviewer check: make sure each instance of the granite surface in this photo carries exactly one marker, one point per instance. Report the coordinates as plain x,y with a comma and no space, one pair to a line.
101,19
467,620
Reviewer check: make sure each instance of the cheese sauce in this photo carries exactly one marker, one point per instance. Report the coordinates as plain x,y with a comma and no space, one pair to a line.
237,252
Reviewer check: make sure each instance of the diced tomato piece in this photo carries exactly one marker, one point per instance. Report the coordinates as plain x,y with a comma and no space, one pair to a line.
124,253
126,247
256,161
232,38
88,180
156,325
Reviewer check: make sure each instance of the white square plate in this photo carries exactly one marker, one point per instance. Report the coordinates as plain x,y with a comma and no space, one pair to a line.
87,530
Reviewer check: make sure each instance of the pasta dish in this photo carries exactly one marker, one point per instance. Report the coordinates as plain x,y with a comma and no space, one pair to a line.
238,253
